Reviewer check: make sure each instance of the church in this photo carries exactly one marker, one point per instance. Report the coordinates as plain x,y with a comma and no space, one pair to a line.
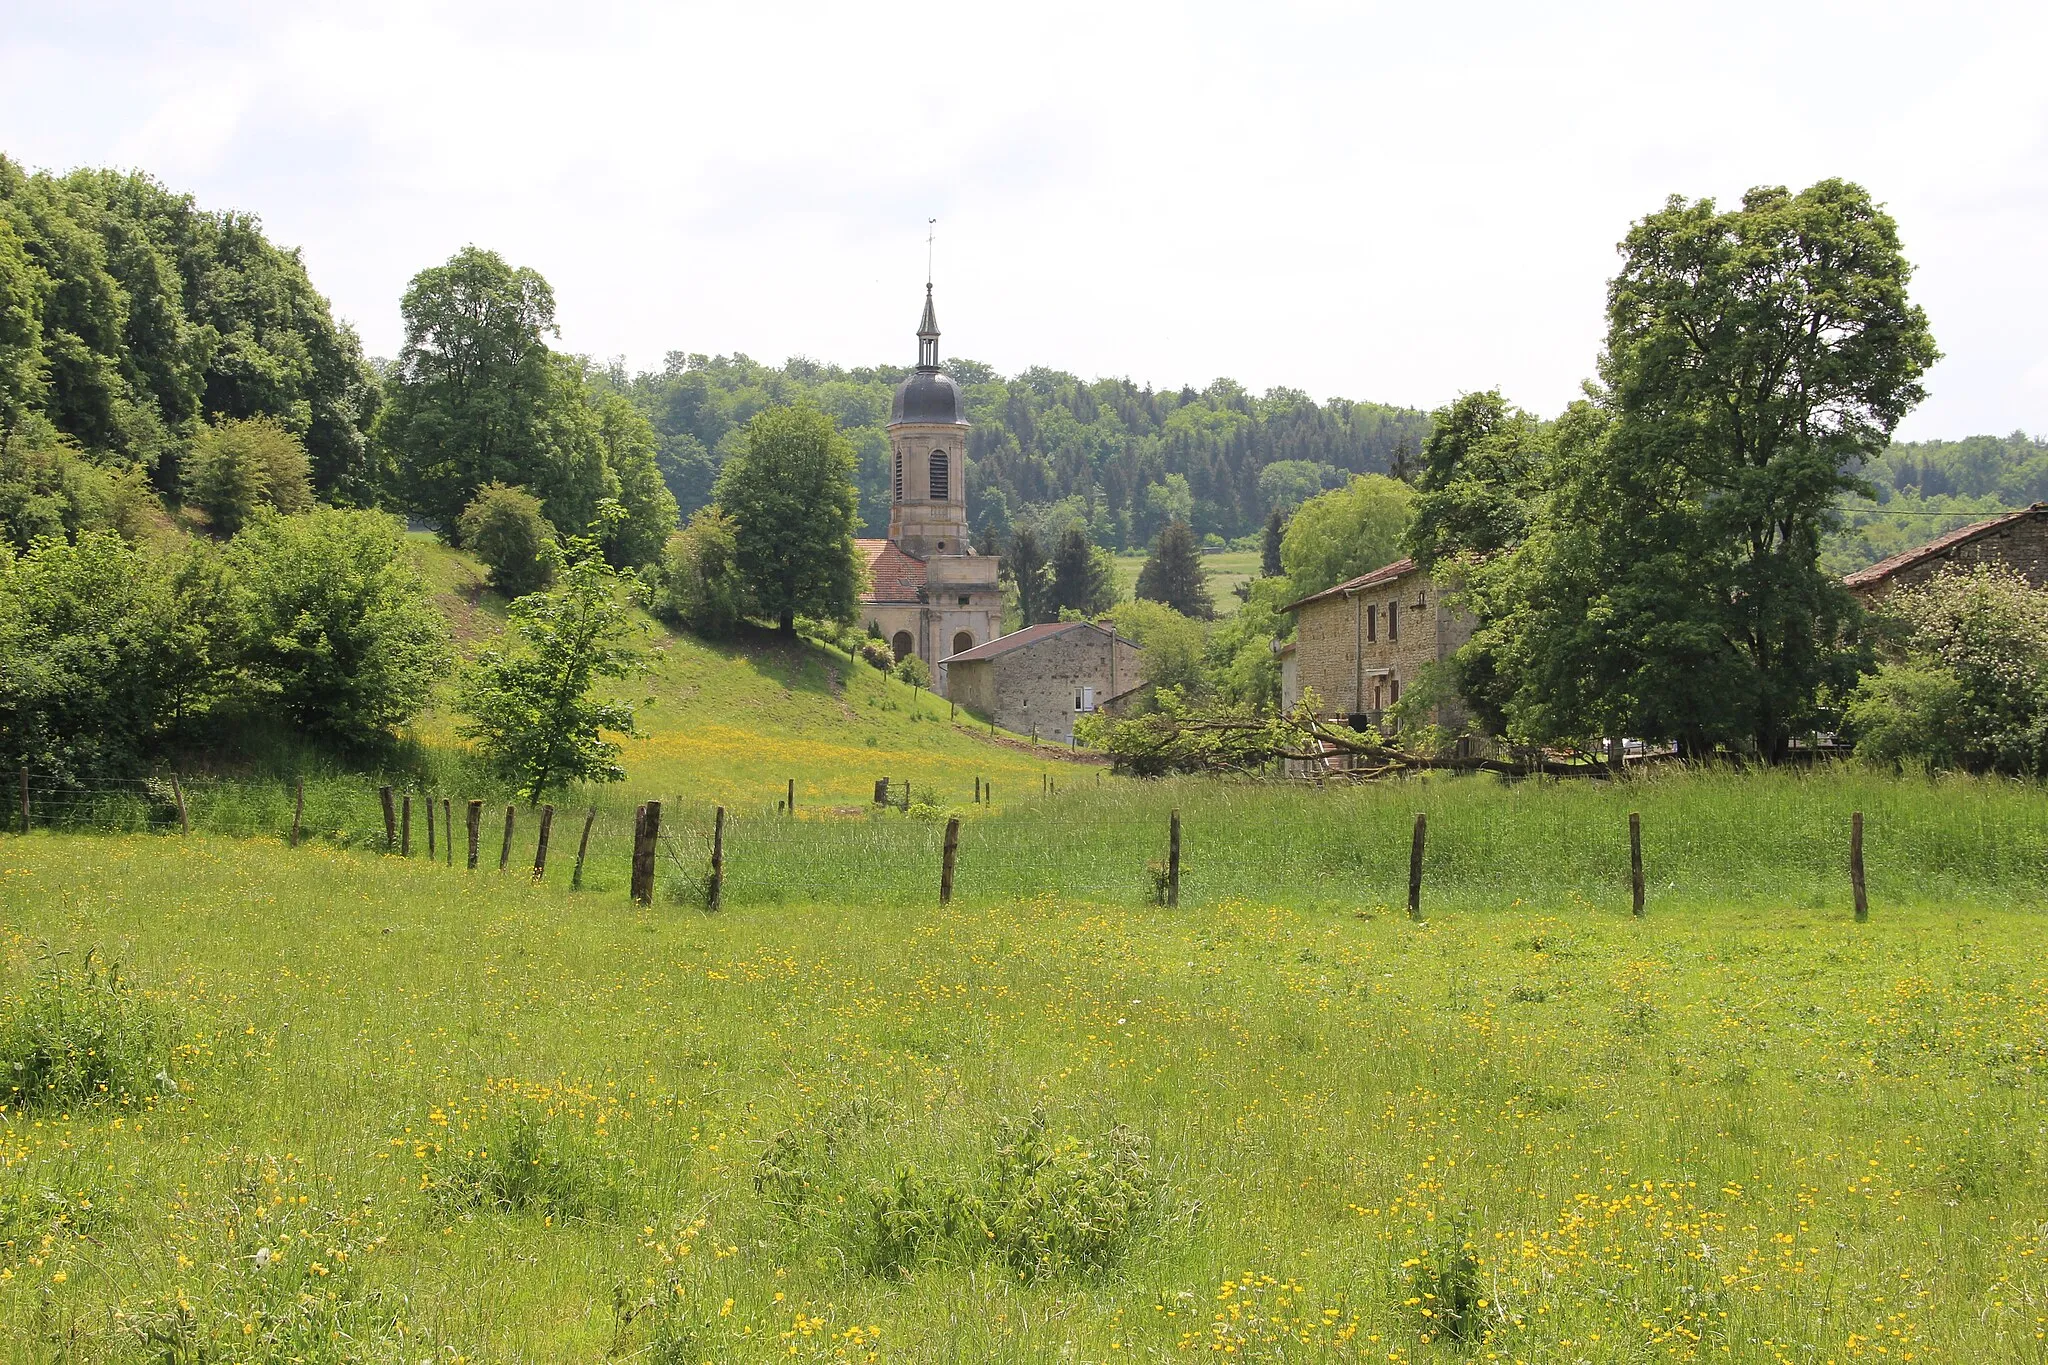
929,593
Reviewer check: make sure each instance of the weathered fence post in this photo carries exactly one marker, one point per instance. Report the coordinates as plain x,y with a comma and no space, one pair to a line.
298,808
1635,859
881,791
714,890
505,850
405,826
178,795
24,800
476,828
790,809
540,849
448,828
1856,866
947,858
432,852
1415,868
1173,861
645,835
977,791
390,820
582,847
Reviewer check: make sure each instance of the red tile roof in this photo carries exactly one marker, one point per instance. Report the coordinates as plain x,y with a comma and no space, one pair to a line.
894,574
1400,568
1933,549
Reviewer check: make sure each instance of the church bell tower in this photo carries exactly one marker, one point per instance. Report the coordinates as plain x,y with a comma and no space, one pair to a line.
928,452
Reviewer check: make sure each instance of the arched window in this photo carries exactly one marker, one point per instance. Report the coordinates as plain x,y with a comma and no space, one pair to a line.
963,642
899,478
941,476
901,645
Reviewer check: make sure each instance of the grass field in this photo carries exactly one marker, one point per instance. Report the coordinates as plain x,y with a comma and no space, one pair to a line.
421,1114
1225,572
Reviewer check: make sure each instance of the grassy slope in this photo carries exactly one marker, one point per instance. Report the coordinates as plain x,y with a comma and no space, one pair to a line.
1749,1134
1225,572
733,722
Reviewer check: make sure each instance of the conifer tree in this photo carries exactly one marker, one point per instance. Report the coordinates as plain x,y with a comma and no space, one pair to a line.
1026,562
1083,580
1173,573
1269,548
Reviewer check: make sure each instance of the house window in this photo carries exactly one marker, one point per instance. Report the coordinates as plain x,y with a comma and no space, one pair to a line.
1393,620
1372,623
1379,696
963,599
1084,700
899,478
901,645
1394,690
962,642
941,476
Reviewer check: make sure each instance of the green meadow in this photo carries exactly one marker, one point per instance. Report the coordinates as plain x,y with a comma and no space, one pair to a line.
340,1105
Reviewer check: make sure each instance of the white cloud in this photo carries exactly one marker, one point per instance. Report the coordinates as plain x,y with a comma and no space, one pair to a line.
1396,202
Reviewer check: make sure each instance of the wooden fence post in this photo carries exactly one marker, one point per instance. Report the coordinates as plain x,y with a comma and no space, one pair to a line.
947,859
432,852
977,791
505,850
881,791
790,809
1173,861
390,820
645,837
405,827
178,795
1635,858
1415,868
476,826
540,849
714,890
582,847
448,828
298,808
1856,866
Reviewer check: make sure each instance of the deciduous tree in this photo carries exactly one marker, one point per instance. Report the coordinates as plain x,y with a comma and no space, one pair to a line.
791,499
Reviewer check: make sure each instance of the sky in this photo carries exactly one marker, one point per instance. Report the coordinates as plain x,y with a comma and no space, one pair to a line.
1388,202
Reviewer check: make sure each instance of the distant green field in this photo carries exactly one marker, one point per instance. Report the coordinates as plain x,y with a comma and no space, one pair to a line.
412,1113
1226,572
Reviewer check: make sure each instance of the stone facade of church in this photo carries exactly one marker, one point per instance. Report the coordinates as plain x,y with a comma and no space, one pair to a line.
929,593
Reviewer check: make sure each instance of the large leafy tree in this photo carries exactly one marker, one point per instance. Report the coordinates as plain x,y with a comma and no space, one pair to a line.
790,497
1346,532
531,700
1670,584
1483,461
1173,573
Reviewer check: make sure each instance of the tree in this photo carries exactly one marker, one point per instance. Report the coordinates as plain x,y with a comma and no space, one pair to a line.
1346,532
1169,644
630,449
529,699
342,636
1027,568
1482,464
1670,584
503,527
236,467
697,583
1173,573
790,495
1286,484
914,671
1269,545
1083,578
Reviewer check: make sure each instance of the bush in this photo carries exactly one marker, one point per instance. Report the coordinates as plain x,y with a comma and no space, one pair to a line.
520,1168
877,653
82,1037
48,490
503,527
236,467
913,670
342,635
696,584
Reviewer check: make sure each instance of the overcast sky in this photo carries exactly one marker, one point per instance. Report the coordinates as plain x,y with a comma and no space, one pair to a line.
1393,202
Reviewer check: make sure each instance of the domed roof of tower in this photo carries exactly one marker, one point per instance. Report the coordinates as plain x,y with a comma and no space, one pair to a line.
929,394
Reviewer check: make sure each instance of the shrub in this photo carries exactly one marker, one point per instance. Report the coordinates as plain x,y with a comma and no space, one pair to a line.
503,527
82,1037
236,467
913,670
521,1168
1059,1207
877,653
697,582
342,635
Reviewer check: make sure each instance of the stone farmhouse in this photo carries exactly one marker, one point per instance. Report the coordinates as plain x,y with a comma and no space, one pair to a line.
1359,643
1037,680
2017,540
929,593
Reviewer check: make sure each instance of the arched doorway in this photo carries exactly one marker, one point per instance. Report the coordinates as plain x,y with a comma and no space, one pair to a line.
963,642
901,644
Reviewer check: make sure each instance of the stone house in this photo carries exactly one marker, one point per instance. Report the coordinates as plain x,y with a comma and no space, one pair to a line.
929,593
1359,643
1035,681
2016,540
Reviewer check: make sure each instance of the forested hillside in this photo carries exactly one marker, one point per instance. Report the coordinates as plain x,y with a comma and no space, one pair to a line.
1048,447
1924,488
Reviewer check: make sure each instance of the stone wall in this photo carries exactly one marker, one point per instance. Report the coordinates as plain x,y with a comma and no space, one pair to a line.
2020,544
1352,660
1031,689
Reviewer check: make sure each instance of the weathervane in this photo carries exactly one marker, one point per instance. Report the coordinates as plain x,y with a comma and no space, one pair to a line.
931,230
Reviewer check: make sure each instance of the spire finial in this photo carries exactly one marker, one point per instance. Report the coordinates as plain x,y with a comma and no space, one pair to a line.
931,231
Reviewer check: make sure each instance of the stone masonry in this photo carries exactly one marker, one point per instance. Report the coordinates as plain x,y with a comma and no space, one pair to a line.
1359,644
2017,540
1036,680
